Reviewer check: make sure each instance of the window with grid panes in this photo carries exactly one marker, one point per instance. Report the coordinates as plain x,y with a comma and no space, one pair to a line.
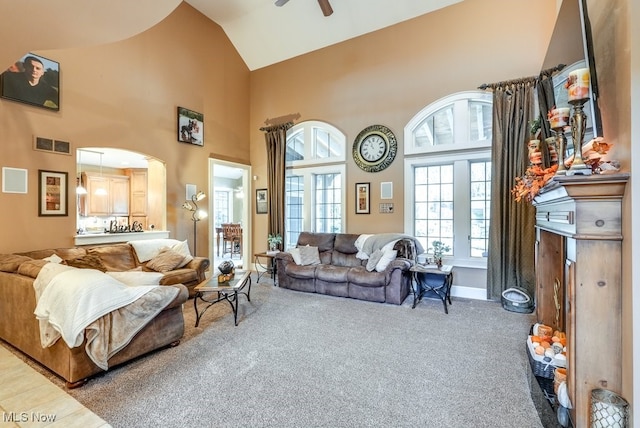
314,180
448,168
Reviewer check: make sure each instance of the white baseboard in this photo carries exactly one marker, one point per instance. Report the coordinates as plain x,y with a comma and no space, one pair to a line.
469,292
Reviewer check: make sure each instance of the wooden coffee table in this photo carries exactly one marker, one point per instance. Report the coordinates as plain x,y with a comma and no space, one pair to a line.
228,291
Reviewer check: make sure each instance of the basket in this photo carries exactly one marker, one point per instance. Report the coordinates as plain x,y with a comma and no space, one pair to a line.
516,299
541,366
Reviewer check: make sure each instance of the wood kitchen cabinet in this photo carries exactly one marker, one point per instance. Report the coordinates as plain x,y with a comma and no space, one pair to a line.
107,195
138,196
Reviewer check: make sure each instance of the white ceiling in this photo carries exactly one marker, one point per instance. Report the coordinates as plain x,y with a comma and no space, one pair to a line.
264,34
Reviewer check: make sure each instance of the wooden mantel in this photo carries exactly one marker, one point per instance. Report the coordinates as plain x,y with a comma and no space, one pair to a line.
579,266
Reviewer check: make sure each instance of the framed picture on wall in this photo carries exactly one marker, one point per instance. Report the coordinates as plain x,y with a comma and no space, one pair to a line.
32,80
261,201
362,198
52,193
190,127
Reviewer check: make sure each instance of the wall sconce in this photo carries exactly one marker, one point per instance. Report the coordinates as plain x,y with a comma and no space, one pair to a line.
196,214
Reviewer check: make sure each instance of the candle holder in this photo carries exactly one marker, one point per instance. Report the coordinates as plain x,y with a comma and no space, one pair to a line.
578,127
561,146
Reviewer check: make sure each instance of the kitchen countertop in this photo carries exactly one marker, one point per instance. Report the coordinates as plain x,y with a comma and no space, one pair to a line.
108,238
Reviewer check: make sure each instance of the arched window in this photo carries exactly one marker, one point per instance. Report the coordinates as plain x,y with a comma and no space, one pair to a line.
315,180
448,168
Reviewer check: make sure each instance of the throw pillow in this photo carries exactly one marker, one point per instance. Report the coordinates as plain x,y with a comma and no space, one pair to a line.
373,260
165,261
88,261
134,278
183,248
31,268
387,257
11,262
295,253
309,256
53,258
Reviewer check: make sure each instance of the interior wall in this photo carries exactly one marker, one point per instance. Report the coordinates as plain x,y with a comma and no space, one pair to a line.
388,76
125,95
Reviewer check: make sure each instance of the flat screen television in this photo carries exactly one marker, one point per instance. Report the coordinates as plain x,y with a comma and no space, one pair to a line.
572,44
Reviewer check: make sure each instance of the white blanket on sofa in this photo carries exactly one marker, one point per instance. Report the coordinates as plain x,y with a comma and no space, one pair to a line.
70,300
367,244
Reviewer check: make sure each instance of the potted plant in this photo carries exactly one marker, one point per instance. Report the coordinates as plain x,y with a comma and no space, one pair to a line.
274,240
439,248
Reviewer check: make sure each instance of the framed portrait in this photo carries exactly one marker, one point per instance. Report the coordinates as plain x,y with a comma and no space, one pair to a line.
190,127
32,80
52,193
362,198
261,201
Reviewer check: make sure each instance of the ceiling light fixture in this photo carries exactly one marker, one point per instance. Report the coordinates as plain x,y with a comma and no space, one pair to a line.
100,191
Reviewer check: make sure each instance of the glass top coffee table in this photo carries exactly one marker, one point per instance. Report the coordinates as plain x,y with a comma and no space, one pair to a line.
211,292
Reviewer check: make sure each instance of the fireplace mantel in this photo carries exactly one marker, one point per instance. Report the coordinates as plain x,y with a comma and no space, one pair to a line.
579,265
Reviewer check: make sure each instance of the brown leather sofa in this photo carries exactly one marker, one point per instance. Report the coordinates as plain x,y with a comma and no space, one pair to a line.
341,273
20,328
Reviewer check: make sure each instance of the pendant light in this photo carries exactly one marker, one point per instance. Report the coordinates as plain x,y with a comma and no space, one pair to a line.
101,191
80,190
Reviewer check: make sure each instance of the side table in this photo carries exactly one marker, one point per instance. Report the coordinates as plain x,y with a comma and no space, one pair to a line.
267,266
432,280
229,291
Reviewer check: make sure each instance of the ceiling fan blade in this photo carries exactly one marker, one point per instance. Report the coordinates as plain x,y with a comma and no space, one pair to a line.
281,2
326,7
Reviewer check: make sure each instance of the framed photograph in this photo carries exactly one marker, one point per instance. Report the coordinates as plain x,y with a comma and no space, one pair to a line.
362,198
190,127
32,80
261,201
52,193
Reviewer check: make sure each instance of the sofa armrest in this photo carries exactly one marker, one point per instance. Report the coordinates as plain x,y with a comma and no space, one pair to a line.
400,263
284,256
180,298
200,265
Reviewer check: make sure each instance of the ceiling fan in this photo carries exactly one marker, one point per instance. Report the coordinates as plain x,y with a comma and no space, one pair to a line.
324,5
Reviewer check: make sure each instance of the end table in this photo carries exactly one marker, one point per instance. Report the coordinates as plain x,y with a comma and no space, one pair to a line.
432,280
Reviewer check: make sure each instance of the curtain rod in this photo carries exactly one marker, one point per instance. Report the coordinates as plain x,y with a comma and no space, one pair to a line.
546,72
282,119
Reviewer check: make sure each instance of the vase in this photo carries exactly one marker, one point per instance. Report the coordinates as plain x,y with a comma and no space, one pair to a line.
273,246
439,263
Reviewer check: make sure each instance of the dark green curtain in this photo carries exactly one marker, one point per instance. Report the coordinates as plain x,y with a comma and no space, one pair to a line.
546,101
276,141
512,225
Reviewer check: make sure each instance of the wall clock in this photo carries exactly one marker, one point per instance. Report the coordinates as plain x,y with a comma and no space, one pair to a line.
375,148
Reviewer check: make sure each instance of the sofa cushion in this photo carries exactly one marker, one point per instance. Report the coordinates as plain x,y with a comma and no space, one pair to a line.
116,257
306,255
10,262
31,268
302,272
183,248
147,249
332,273
88,261
135,278
179,276
360,276
165,261
324,241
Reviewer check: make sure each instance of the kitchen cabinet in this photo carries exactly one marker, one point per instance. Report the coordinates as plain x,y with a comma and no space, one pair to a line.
107,195
138,196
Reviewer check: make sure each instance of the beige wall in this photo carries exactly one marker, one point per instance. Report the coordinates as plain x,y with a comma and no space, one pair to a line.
125,95
388,76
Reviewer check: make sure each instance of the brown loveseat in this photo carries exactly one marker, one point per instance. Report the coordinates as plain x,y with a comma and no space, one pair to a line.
20,328
341,273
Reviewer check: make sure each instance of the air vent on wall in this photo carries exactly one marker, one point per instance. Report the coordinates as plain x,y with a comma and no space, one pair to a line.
53,146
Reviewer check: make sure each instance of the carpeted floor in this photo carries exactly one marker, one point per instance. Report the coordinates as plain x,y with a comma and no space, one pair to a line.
307,360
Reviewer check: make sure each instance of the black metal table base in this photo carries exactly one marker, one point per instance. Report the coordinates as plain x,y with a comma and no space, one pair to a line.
440,287
231,296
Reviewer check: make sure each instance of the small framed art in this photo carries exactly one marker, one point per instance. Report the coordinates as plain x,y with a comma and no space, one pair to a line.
362,198
190,127
261,201
52,193
33,80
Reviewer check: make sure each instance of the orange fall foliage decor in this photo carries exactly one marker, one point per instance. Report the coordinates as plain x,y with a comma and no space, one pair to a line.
534,179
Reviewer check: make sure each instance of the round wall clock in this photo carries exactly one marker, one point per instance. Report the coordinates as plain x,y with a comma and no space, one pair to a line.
375,148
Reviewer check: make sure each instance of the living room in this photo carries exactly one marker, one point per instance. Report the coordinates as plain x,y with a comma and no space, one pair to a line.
123,93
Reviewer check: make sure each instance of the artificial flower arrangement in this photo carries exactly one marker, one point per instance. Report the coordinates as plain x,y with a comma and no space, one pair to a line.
535,177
